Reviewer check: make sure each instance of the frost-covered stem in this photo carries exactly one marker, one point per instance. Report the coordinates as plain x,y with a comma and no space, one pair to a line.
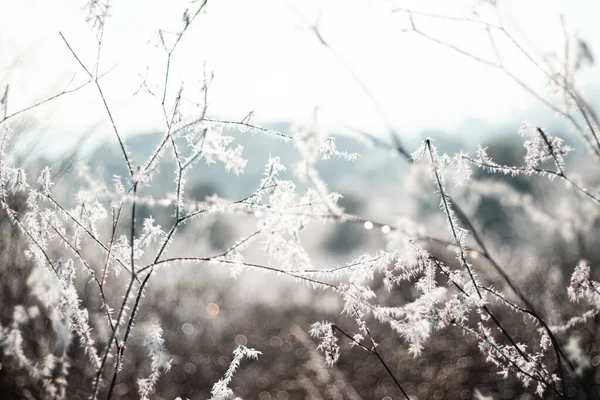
584,109
398,146
556,346
356,342
179,190
509,281
178,222
569,90
239,123
243,201
484,307
121,350
87,266
132,231
297,275
552,150
531,309
220,390
484,338
100,37
50,98
139,298
205,88
109,113
341,268
14,217
156,154
90,234
3,149
493,167
448,212
495,320
160,364
167,138
460,248
134,277
373,350
498,65
144,283
76,251
558,352
506,334
172,232
240,243
115,219
246,264
172,49
484,252
503,299
96,385
34,241
461,251
193,158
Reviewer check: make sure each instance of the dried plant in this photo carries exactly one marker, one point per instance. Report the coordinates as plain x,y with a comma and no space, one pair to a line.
448,293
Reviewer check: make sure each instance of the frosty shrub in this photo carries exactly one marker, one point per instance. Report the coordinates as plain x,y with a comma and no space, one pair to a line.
84,259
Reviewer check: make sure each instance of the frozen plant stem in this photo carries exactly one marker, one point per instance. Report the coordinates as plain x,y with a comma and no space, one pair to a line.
121,350
459,243
562,81
373,350
101,93
450,217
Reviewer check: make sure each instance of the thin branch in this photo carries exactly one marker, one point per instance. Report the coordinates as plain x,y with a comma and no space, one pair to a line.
395,137
172,49
373,350
523,170
112,121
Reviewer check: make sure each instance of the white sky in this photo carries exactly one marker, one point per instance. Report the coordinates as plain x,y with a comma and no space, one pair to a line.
266,60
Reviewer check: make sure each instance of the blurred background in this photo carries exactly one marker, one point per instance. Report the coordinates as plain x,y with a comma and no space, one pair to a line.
372,76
